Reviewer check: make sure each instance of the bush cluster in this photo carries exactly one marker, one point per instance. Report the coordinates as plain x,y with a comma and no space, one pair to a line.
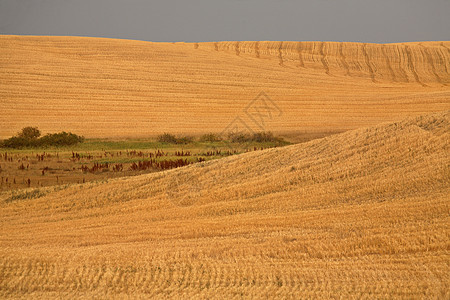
210,137
172,139
61,139
259,137
30,137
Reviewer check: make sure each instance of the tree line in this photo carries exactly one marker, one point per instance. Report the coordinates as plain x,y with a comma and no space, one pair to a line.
30,137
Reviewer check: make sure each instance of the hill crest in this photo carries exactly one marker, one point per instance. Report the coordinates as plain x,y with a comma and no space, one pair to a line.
123,88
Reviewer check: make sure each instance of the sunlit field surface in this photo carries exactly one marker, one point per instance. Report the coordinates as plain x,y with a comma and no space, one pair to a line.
357,207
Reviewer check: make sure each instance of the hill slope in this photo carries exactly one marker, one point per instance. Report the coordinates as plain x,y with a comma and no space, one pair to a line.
360,213
106,87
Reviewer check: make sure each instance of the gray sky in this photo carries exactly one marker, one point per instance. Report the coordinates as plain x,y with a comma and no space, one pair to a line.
378,21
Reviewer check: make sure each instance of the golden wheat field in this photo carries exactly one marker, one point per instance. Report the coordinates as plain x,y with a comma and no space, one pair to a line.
362,213
123,88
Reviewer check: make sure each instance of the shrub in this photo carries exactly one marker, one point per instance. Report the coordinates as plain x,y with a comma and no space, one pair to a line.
185,140
29,133
171,139
210,137
167,138
239,137
259,137
262,137
18,142
60,139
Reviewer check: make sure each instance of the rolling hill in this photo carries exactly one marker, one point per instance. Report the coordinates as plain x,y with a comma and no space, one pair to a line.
120,88
364,213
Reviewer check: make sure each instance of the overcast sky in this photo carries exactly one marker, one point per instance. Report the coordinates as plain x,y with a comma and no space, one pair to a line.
378,21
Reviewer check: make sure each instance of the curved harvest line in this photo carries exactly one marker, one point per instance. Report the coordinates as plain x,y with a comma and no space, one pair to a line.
411,66
442,58
280,54
300,58
388,63
323,59
405,75
366,58
431,63
257,50
344,62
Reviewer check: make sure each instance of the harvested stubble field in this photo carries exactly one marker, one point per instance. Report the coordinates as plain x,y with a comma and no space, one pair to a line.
362,213
121,88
